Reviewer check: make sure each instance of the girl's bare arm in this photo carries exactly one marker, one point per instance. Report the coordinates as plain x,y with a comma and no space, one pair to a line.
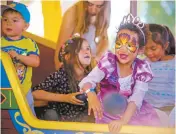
67,28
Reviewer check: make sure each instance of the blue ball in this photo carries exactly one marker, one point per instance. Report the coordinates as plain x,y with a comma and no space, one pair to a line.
114,103
81,97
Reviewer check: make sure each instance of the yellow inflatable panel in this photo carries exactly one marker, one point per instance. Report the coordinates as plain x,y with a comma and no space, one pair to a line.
69,126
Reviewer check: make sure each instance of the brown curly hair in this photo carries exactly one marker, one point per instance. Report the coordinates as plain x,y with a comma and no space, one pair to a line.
72,47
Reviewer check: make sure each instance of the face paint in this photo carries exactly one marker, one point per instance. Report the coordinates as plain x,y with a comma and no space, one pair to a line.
123,40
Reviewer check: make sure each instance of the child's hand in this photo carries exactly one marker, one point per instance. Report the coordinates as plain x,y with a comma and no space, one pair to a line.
115,126
70,98
94,104
12,54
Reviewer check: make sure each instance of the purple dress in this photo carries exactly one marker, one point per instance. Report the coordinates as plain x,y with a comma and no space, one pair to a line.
145,115
133,87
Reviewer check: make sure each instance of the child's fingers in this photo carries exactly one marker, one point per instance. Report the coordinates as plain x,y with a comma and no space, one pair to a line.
95,112
89,110
111,127
100,112
118,129
115,129
78,101
10,54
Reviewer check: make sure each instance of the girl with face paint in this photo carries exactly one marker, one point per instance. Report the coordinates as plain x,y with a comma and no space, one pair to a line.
125,74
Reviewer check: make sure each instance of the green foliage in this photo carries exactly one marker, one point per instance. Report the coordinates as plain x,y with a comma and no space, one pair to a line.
160,12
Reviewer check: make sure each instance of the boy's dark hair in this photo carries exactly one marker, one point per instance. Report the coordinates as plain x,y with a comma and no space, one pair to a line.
11,11
72,47
162,35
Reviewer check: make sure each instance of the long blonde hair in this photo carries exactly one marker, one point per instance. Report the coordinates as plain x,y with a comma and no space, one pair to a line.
102,22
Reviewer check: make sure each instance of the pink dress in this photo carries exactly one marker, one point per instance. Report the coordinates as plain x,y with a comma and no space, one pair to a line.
132,87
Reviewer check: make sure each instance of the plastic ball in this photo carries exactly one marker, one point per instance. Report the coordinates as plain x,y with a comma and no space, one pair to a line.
114,103
81,97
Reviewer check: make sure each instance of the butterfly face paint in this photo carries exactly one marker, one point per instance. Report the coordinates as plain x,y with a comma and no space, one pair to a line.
123,40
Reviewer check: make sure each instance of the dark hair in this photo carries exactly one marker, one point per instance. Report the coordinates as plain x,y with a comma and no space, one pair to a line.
132,27
162,35
11,11
72,47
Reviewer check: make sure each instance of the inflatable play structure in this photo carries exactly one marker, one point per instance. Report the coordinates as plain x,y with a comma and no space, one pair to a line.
20,118
16,116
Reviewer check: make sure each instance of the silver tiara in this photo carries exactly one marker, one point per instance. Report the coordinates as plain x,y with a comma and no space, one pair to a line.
135,21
